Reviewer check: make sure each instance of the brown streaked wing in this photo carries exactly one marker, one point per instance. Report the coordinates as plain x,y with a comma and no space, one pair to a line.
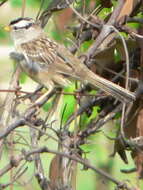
40,50
45,51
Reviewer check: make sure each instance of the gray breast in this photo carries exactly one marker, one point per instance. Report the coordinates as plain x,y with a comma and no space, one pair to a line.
31,67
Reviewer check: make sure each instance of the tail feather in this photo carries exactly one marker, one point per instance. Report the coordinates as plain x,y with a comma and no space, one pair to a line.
107,86
81,72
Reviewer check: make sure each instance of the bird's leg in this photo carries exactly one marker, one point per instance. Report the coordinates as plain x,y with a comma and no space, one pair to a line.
44,97
41,100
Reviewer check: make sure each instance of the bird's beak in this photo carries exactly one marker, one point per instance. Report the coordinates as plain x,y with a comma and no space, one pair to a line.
7,28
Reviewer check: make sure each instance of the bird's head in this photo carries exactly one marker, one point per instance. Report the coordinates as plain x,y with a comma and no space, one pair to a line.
23,30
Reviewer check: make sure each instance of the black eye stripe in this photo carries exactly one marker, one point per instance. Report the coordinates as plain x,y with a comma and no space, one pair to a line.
15,28
28,26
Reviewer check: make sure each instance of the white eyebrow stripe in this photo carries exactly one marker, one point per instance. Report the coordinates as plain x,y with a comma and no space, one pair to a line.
22,23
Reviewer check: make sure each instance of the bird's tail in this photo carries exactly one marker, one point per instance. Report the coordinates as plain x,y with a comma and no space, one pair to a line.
107,86
81,72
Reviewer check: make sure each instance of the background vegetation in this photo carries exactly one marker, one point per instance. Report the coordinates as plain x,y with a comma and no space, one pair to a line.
99,146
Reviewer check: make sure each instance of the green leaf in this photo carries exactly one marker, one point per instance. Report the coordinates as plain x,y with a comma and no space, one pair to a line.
68,104
2,34
134,25
87,147
85,120
117,56
94,113
23,78
85,46
55,35
47,106
31,2
118,115
16,3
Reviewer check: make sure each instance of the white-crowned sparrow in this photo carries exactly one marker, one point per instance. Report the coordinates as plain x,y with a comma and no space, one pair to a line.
51,64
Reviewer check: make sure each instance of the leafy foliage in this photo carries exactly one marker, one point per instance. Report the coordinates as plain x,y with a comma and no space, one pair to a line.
93,146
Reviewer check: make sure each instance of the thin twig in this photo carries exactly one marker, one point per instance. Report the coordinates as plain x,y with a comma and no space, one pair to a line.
15,91
127,79
82,161
83,19
27,155
23,8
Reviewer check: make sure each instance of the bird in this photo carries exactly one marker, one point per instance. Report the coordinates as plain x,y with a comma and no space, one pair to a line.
53,65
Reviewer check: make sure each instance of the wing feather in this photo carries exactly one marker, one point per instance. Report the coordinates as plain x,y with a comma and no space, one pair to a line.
41,50
47,53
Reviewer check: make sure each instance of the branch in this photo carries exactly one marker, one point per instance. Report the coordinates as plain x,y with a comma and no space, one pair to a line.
16,161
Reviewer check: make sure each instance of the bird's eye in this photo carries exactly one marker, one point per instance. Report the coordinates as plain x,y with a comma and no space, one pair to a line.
15,28
30,24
